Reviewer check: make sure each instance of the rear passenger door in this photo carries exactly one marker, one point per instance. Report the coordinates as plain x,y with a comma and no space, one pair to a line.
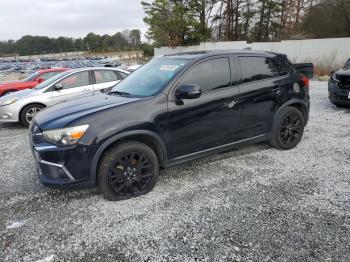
105,79
260,92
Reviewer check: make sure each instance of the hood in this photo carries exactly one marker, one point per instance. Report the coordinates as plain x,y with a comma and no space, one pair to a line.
19,94
343,72
59,116
17,84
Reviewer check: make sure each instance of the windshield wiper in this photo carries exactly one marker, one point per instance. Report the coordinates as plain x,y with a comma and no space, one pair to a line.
120,93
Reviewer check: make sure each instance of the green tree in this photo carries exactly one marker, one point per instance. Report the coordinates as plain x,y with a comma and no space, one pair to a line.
171,22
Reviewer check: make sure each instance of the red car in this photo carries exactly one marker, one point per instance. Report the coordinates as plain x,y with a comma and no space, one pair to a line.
30,81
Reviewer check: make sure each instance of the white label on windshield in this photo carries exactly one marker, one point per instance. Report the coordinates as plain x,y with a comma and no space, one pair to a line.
168,67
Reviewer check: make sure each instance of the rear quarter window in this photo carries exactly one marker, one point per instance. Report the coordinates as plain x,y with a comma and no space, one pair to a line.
257,68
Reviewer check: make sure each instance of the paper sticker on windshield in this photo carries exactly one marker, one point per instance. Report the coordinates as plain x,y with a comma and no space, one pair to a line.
168,67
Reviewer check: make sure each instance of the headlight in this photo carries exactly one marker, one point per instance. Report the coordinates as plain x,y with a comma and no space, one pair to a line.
66,136
334,77
9,101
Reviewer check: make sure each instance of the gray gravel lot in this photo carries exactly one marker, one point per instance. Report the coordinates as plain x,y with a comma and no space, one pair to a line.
253,204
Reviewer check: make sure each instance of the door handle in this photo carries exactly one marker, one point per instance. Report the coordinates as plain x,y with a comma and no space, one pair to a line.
277,90
232,104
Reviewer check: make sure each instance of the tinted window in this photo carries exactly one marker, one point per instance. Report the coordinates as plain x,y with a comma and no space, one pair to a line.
75,80
210,75
257,68
105,76
48,75
347,63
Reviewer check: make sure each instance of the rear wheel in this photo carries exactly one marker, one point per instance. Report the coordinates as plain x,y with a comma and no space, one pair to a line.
288,128
128,170
28,113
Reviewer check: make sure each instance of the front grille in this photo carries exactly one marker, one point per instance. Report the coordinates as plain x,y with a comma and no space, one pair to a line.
344,82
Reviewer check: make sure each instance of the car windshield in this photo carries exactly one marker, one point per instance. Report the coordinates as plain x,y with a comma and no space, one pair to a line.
150,78
51,80
31,77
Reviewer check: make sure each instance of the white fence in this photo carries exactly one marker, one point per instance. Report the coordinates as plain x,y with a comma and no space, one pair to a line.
331,52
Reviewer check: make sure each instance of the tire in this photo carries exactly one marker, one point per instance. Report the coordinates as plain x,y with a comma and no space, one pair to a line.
28,112
118,174
288,128
8,92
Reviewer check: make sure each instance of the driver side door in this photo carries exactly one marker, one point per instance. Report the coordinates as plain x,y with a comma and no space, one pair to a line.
74,86
212,120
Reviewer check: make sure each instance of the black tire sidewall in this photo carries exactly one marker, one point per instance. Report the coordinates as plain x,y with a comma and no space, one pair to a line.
109,158
276,136
25,109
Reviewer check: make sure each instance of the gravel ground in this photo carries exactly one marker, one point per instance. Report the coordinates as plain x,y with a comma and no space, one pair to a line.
253,204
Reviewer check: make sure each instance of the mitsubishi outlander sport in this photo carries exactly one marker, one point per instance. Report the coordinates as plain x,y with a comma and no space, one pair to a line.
174,109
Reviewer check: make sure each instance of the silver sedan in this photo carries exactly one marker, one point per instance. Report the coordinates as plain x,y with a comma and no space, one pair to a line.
22,106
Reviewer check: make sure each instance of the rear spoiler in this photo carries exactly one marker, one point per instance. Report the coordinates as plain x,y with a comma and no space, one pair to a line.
306,69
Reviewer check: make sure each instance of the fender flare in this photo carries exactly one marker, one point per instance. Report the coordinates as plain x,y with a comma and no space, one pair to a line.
110,141
295,101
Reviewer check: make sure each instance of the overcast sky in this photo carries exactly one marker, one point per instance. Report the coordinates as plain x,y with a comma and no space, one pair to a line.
73,18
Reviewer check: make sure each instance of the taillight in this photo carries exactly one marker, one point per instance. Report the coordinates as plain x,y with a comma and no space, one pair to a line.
306,81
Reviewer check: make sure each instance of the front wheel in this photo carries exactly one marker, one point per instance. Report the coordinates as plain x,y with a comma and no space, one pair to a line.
128,170
288,128
28,113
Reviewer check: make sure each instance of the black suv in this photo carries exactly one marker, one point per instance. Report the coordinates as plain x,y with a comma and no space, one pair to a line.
339,86
173,109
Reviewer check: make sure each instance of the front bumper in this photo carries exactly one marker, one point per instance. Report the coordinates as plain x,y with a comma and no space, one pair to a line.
338,95
9,113
61,167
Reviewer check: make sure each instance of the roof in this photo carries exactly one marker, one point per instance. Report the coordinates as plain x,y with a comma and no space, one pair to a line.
58,69
99,68
202,54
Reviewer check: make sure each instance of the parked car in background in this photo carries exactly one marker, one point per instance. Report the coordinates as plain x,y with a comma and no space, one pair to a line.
23,105
339,86
133,68
173,109
30,81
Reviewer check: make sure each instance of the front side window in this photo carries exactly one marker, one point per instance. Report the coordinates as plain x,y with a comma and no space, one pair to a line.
150,78
210,75
76,80
257,68
105,76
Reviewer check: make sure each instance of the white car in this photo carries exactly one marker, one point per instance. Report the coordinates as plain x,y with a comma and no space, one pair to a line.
22,106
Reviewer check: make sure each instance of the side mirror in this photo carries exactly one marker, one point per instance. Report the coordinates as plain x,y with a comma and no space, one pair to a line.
188,91
58,87
40,80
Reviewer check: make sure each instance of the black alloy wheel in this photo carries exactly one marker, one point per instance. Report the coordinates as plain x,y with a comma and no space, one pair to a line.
288,128
130,174
128,170
291,129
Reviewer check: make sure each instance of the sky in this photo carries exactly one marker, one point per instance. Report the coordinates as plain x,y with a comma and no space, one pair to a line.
72,18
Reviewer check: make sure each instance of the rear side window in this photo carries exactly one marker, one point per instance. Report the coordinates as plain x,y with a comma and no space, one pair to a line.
105,76
76,80
210,75
121,75
257,68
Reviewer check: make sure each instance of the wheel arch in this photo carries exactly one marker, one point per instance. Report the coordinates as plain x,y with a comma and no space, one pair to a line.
149,138
32,103
301,105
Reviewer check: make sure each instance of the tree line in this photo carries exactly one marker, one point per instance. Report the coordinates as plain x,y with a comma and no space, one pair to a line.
32,45
185,22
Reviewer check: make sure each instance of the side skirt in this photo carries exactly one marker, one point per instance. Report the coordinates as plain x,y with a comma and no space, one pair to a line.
215,150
